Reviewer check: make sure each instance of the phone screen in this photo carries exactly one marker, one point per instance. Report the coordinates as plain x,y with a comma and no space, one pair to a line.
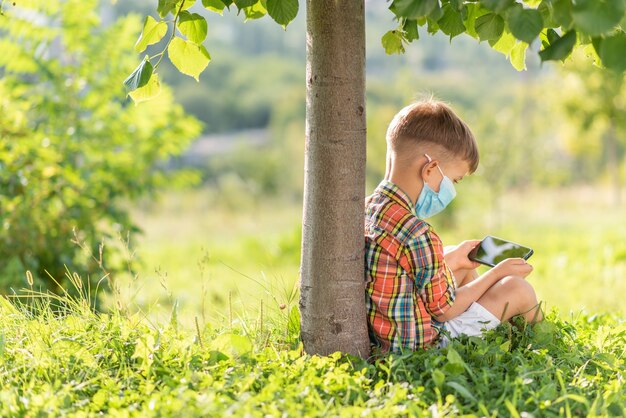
492,250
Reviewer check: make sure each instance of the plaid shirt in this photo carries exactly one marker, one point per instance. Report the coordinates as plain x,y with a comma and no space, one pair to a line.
407,280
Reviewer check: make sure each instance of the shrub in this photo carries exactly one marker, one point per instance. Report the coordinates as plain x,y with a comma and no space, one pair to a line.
73,148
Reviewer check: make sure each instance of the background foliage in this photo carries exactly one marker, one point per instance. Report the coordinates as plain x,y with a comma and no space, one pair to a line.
549,125
74,150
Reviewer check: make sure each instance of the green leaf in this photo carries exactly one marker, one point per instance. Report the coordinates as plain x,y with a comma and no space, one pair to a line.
497,5
188,4
612,52
525,24
454,357
242,4
433,27
189,58
214,5
591,52
552,36
439,377
166,6
436,13
596,17
505,44
462,390
193,26
562,13
152,33
546,10
282,11
412,9
144,349
256,11
457,4
460,7
518,56
410,30
140,76
560,48
392,42
489,27
233,344
451,23
474,11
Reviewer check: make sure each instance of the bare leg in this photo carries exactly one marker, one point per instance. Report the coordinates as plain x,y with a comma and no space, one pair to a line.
512,296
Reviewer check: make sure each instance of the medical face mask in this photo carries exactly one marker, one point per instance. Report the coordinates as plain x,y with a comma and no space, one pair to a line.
429,202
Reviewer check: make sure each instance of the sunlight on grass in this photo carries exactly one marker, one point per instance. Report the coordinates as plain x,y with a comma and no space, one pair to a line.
220,262
59,358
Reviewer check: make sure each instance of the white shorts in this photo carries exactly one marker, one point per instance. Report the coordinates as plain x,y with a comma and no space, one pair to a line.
473,322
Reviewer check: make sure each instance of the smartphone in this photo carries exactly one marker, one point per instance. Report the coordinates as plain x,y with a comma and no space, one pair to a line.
492,250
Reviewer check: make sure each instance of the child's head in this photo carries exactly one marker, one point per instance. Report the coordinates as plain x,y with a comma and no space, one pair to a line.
428,150
430,127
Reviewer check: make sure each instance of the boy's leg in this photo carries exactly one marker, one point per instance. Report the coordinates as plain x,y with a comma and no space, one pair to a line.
512,296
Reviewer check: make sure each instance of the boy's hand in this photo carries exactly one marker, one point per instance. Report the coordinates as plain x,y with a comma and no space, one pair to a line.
456,255
513,267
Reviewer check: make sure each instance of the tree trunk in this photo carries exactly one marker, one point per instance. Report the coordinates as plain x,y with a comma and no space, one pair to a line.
332,301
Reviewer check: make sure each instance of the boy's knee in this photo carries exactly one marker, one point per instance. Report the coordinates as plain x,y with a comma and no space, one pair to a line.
519,289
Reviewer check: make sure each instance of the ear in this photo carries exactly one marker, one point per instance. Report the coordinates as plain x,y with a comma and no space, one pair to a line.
428,168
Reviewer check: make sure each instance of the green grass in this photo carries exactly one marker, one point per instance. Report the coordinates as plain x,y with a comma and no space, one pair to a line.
57,358
209,327
579,238
212,259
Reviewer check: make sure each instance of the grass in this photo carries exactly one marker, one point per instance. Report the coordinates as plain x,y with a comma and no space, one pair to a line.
579,238
58,358
211,258
209,326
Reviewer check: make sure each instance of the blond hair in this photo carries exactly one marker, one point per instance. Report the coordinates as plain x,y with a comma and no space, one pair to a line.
432,122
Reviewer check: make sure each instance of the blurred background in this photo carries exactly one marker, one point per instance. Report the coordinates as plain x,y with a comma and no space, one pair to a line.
194,200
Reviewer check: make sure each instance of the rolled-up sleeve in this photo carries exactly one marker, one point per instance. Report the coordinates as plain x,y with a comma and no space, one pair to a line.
433,279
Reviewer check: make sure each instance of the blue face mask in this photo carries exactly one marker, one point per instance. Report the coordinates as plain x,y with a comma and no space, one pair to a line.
429,202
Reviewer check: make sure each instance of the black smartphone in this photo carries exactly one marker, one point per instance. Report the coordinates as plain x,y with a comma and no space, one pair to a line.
492,250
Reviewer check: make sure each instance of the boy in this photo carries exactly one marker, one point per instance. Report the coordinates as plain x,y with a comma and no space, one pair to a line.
415,289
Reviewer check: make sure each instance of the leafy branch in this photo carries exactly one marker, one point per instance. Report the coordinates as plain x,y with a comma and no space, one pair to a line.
185,47
511,26
162,53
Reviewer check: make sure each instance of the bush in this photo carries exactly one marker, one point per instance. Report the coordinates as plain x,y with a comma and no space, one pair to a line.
74,149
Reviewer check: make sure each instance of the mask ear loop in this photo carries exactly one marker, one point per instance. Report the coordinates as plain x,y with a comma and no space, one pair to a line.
438,167
428,162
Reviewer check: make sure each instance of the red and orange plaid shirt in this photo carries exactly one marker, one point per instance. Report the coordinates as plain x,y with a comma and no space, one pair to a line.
407,280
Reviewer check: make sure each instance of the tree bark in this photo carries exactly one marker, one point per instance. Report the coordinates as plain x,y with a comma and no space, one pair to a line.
332,287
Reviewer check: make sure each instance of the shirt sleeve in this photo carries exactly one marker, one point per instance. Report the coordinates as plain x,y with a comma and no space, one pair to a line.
433,279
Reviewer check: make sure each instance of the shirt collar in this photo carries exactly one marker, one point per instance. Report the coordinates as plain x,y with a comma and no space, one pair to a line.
392,191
